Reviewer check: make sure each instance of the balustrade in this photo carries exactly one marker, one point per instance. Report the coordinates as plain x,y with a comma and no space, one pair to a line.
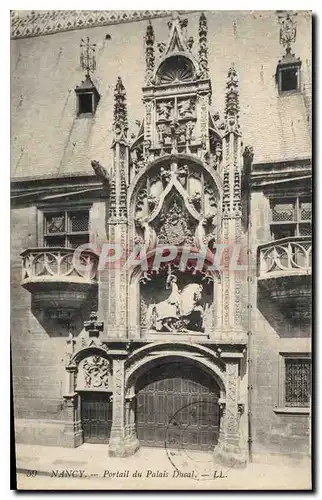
291,255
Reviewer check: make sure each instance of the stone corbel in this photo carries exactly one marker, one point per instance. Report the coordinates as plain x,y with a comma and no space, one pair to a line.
70,400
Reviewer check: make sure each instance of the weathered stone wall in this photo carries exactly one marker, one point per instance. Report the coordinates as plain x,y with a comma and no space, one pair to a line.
272,432
48,138
37,353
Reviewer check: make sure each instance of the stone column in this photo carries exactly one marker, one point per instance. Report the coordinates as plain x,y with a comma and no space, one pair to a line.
229,450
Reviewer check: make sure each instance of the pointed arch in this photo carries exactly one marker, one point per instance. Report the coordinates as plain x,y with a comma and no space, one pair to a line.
168,159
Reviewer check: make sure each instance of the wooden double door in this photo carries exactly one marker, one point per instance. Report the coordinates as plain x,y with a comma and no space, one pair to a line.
177,405
96,413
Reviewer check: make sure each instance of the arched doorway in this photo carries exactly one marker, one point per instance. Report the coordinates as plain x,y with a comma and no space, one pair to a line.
181,390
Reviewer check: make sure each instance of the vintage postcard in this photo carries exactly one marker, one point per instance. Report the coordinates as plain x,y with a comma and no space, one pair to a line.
161,237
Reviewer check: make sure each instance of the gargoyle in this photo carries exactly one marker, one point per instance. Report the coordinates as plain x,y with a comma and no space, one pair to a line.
100,171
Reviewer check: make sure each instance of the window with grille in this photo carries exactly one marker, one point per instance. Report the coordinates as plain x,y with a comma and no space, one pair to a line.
297,390
66,228
291,217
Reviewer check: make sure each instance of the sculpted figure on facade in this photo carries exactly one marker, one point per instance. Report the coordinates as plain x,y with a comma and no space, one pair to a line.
164,109
186,108
181,311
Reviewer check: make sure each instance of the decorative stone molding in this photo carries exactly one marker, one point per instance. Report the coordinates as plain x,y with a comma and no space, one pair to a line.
25,24
123,441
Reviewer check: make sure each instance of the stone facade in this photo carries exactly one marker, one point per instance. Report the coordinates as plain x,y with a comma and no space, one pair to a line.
191,174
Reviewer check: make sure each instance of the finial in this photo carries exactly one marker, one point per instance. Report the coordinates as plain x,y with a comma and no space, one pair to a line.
288,29
120,110
87,57
232,99
203,47
149,53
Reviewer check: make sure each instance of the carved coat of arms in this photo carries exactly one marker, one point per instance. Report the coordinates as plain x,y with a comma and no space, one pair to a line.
175,229
96,371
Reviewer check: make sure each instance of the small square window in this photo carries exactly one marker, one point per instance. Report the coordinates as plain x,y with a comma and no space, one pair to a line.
289,79
288,73
85,103
87,97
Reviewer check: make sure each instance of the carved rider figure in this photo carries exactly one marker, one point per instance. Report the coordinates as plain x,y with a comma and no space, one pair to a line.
181,311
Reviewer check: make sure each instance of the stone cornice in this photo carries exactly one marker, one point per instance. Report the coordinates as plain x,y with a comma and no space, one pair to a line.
26,24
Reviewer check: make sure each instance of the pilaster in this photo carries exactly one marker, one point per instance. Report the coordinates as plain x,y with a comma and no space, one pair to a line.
117,275
123,440
230,448
231,172
73,433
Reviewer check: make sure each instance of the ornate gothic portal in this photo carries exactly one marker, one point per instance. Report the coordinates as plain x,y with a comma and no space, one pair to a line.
175,184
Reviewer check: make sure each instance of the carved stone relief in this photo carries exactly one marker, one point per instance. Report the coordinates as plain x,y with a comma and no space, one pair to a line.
94,373
174,226
176,302
165,110
186,108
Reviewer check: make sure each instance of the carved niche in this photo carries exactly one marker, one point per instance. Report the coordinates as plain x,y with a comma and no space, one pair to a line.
94,372
175,301
175,123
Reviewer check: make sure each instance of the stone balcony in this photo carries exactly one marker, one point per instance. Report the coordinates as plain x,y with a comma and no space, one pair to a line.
284,274
54,281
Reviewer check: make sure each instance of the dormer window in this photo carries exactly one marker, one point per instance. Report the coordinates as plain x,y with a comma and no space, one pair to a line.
87,98
288,74
289,79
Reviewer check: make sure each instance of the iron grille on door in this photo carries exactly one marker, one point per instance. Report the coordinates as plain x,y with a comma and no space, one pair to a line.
96,413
